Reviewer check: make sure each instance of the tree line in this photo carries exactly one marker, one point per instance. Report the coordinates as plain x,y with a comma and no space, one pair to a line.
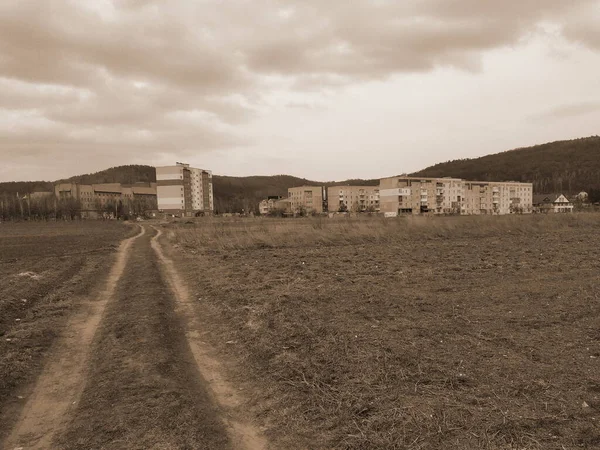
49,207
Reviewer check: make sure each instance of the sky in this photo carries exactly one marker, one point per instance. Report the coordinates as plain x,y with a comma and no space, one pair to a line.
321,89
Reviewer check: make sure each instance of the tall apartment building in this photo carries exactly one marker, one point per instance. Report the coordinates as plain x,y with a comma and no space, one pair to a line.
184,190
353,198
413,195
312,199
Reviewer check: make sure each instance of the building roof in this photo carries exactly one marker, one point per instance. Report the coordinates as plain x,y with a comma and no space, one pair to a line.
497,182
412,178
141,190
354,186
114,188
540,199
63,187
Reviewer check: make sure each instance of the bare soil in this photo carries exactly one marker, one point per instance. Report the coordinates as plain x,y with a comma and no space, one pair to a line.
478,336
61,382
243,434
46,272
143,388
125,368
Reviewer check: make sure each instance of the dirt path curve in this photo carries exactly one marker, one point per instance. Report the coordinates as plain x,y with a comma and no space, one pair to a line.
243,434
62,380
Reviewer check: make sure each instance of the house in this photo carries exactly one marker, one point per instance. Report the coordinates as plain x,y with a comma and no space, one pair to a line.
552,203
273,204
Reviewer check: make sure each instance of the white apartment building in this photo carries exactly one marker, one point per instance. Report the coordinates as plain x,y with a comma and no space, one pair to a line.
184,190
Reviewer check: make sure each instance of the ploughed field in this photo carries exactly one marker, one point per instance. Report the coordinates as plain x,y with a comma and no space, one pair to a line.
406,333
44,268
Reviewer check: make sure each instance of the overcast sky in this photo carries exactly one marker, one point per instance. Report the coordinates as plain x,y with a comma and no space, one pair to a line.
323,89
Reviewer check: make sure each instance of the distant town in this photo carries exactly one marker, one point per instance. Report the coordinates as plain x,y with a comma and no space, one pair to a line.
184,191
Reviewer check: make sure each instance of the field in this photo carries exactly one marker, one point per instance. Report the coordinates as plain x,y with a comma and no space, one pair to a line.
409,333
45,268
454,333
98,350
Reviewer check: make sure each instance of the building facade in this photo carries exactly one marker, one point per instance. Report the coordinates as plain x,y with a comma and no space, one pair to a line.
413,195
552,203
353,198
486,197
409,195
308,199
184,190
97,199
274,204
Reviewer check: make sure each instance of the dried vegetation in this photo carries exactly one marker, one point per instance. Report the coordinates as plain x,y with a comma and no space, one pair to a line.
415,333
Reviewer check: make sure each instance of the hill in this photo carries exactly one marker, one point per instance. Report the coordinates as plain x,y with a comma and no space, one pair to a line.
24,187
563,166
234,194
122,174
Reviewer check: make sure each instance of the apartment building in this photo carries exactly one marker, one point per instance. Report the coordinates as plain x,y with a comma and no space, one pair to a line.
310,199
353,198
497,198
184,190
410,195
94,198
413,195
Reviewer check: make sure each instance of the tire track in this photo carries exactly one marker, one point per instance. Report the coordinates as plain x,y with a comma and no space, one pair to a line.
61,383
143,390
243,434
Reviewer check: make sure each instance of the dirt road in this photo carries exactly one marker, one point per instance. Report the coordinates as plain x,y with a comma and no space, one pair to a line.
131,372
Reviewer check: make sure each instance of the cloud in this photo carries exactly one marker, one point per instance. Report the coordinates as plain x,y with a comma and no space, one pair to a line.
176,74
569,110
584,27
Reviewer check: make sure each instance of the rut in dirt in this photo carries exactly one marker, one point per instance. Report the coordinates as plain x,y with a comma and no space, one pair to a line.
60,384
143,389
242,432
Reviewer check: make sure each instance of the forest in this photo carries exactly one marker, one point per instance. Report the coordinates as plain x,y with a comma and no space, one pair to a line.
566,167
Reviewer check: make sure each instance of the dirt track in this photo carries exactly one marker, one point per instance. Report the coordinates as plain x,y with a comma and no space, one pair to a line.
131,372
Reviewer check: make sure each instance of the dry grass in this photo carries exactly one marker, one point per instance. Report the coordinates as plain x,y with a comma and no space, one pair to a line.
463,333
272,233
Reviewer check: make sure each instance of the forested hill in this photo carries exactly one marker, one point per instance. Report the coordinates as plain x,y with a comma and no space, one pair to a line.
121,174
563,166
